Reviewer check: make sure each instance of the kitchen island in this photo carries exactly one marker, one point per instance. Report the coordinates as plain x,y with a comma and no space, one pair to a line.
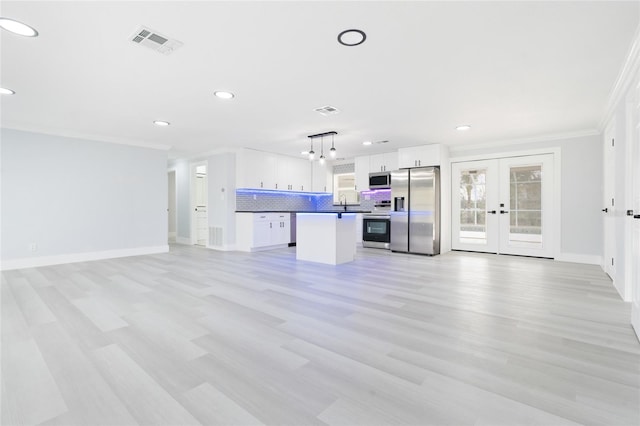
326,237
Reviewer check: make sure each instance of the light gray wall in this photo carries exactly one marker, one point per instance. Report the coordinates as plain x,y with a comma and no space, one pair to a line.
582,189
78,196
221,173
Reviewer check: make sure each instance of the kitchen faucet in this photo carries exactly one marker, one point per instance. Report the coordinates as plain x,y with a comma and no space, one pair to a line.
345,201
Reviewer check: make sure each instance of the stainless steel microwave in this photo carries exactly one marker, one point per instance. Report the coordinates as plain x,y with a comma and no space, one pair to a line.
380,180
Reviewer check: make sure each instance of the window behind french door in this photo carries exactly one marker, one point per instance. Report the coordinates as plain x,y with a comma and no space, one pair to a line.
504,205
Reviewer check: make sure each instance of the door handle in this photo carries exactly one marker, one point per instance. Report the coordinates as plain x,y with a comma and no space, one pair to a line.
491,212
503,211
606,209
636,216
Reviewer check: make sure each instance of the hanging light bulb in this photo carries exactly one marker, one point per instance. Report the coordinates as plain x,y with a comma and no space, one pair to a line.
322,151
311,153
332,151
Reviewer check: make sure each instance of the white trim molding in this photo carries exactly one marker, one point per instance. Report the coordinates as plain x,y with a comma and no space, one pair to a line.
579,258
635,319
34,262
521,141
86,136
627,76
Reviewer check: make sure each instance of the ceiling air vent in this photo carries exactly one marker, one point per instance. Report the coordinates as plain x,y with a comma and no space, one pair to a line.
149,38
381,142
327,110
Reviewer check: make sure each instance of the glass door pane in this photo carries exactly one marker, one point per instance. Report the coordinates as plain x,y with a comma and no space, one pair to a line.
525,193
473,203
526,206
474,194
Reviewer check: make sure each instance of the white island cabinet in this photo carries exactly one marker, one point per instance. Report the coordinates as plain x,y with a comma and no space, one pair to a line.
262,231
326,237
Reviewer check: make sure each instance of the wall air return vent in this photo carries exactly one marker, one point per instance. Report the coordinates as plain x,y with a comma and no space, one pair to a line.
149,38
327,110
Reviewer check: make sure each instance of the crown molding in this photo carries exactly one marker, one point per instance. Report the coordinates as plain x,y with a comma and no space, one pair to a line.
90,137
532,139
628,74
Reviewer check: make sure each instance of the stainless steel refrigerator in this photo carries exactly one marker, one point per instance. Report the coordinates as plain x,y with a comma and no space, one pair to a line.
415,215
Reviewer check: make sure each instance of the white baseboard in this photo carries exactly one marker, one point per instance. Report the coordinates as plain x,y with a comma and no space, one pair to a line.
579,258
223,248
34,262
183,240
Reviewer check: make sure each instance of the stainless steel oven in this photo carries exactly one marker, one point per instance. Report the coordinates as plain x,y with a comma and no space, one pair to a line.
376,230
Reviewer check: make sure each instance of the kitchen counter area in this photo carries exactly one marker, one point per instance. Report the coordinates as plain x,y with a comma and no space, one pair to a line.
326,237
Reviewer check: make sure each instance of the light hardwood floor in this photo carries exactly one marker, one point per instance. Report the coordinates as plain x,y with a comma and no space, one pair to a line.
203,337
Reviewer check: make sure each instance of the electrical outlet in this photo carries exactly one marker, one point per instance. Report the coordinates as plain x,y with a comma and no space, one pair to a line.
33,247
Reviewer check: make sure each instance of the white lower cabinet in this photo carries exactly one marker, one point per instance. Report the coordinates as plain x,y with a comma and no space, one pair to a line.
261,231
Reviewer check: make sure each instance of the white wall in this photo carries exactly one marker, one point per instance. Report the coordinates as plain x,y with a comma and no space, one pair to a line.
221,186
581,191
79,199
222,199
183,207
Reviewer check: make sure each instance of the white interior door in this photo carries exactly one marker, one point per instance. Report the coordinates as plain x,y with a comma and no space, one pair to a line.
504,206
635,263
608,207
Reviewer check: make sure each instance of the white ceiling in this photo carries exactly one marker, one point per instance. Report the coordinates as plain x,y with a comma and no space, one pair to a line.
510,69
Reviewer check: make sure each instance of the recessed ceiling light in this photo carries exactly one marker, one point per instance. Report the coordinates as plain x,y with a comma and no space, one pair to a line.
463,127
17,27
351,37
161,123
4,91
224,95
366,143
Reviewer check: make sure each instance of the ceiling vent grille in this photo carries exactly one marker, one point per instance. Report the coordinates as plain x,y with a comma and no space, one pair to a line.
381,142
327,110
149,38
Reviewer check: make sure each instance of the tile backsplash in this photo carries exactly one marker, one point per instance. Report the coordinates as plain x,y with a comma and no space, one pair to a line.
248,200
261,200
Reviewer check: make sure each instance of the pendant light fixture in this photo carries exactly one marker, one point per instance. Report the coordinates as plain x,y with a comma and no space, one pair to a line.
311,153
332,151
322,150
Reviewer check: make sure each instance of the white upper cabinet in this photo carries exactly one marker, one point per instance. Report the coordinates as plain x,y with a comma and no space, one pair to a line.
263,170
419,156
256,169
294,174
362,173
322,177
383,162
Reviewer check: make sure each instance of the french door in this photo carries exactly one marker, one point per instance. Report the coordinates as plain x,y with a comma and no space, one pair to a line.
504,205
